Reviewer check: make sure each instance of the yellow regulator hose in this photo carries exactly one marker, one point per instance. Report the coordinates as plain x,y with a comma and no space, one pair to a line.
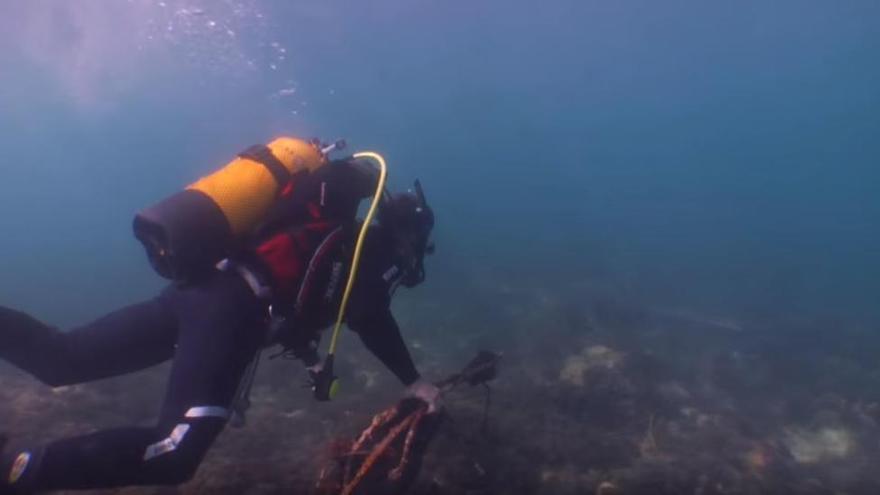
330,383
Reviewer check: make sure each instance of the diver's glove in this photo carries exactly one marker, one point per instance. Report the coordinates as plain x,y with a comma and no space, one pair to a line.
427,392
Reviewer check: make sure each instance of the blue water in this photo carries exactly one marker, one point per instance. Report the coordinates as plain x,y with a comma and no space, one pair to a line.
716,156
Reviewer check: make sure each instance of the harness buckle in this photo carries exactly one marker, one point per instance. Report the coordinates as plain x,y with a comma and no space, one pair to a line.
253,281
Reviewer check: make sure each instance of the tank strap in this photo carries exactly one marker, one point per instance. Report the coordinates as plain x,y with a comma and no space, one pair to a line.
262,154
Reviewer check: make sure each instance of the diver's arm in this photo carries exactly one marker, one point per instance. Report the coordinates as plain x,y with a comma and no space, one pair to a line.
381,335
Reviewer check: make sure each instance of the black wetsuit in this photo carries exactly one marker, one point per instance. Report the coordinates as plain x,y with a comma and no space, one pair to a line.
212,331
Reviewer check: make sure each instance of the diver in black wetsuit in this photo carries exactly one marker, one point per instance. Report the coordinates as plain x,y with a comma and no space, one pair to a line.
293,273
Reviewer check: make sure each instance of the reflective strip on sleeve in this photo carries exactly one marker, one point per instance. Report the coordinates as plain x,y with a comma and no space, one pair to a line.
169,444
207,412
19,466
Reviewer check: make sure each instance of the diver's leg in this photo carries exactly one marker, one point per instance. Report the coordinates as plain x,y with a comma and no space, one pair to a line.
221,328
126,340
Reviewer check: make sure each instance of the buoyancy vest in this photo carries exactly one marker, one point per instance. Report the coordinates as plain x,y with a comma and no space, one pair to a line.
305,266
302,249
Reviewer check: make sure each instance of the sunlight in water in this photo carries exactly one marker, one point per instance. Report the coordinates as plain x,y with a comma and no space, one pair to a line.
100,51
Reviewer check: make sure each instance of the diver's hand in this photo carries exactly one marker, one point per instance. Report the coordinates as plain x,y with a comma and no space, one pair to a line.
426,391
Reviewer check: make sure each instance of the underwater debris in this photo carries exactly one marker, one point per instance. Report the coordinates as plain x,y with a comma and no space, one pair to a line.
387,455
696,320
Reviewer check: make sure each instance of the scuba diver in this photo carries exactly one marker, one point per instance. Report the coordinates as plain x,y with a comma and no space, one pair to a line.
280,283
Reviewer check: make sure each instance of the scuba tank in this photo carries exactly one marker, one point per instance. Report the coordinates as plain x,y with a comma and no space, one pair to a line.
188,233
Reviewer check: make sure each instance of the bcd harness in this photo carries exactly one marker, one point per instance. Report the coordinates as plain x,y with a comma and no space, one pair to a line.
301,289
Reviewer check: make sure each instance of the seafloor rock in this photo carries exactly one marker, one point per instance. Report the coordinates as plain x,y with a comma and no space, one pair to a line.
612,389
591,358
825,444
608,488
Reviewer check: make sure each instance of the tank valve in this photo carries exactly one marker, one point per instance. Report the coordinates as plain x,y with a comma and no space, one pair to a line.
337,146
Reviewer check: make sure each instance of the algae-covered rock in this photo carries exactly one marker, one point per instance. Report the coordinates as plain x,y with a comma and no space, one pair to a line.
824,444
594,357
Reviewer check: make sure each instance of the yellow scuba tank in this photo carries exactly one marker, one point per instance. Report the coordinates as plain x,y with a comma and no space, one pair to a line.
187,233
